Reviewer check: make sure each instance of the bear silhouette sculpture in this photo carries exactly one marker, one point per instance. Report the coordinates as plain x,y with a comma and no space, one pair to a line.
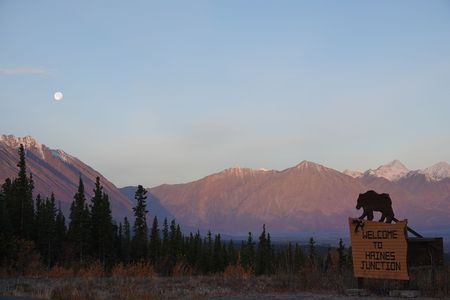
371,201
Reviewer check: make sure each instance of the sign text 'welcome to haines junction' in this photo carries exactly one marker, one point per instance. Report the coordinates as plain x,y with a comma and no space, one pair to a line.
379,250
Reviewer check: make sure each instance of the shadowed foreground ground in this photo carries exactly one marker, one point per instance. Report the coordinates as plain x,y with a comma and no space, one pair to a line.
195,287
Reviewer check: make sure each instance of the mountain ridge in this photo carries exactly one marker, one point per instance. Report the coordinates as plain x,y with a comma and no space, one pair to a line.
56,171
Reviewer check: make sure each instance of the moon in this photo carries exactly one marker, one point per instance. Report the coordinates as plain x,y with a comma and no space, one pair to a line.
58,96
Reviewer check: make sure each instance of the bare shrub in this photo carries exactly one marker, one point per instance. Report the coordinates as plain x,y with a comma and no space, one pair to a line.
91,271
236,272
140,269
182,269
60,272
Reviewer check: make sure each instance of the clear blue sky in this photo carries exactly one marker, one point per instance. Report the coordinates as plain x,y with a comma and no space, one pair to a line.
171,91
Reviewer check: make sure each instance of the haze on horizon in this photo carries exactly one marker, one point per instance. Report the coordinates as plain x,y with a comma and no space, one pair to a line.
168,92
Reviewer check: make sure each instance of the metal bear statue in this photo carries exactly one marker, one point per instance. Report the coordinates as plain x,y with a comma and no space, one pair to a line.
371,201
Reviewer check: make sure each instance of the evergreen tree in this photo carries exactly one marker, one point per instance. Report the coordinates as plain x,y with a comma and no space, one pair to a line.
155,242
289,259
218,264
232,254
197,250
126,240
248,253
6,229
262,254
21,201
165,239
38,216
342,256
79,224
299,258
312,255
190,250
60,234
101,224
119,241
179,242
208,254
46,228
140,229
175,243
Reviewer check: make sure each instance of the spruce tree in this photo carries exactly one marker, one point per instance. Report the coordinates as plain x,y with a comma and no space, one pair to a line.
197,250
46,228
79,224
208,254
289,258
102,235
218,255
299,258
232,253
173,244
342,256
60,234
165,239
126,241
248,253
21,202
262,254
140,229
6,229
155,242
312,255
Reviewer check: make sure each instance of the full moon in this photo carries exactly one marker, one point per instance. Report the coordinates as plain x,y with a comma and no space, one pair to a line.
58,96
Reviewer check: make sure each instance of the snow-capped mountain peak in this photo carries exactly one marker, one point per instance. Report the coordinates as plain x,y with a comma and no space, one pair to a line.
351,173
28,142
392,171
437,172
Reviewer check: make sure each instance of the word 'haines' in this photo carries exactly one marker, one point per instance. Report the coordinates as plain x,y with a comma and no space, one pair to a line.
379,250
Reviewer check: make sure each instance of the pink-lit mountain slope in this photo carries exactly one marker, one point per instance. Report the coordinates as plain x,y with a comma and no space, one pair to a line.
308,197
58,172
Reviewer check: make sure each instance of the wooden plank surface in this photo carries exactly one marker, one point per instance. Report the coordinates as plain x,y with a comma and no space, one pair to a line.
379,250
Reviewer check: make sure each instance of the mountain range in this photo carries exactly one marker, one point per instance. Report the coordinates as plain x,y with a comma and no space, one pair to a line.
305,199
308,197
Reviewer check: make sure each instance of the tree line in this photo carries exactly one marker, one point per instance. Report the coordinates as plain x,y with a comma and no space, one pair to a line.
91,235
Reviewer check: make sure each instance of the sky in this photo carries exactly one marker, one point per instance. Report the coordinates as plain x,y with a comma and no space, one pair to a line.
171,91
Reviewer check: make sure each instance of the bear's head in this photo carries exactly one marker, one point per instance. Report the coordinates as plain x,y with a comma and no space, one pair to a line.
359,202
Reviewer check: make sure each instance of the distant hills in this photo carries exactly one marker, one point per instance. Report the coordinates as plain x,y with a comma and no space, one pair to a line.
305,199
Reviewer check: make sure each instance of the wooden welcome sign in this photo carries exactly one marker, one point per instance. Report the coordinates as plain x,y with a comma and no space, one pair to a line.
379,250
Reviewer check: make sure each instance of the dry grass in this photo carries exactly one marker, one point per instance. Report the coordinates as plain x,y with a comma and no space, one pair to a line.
182,269
60,272
139,281
93,270
236,272
141,269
